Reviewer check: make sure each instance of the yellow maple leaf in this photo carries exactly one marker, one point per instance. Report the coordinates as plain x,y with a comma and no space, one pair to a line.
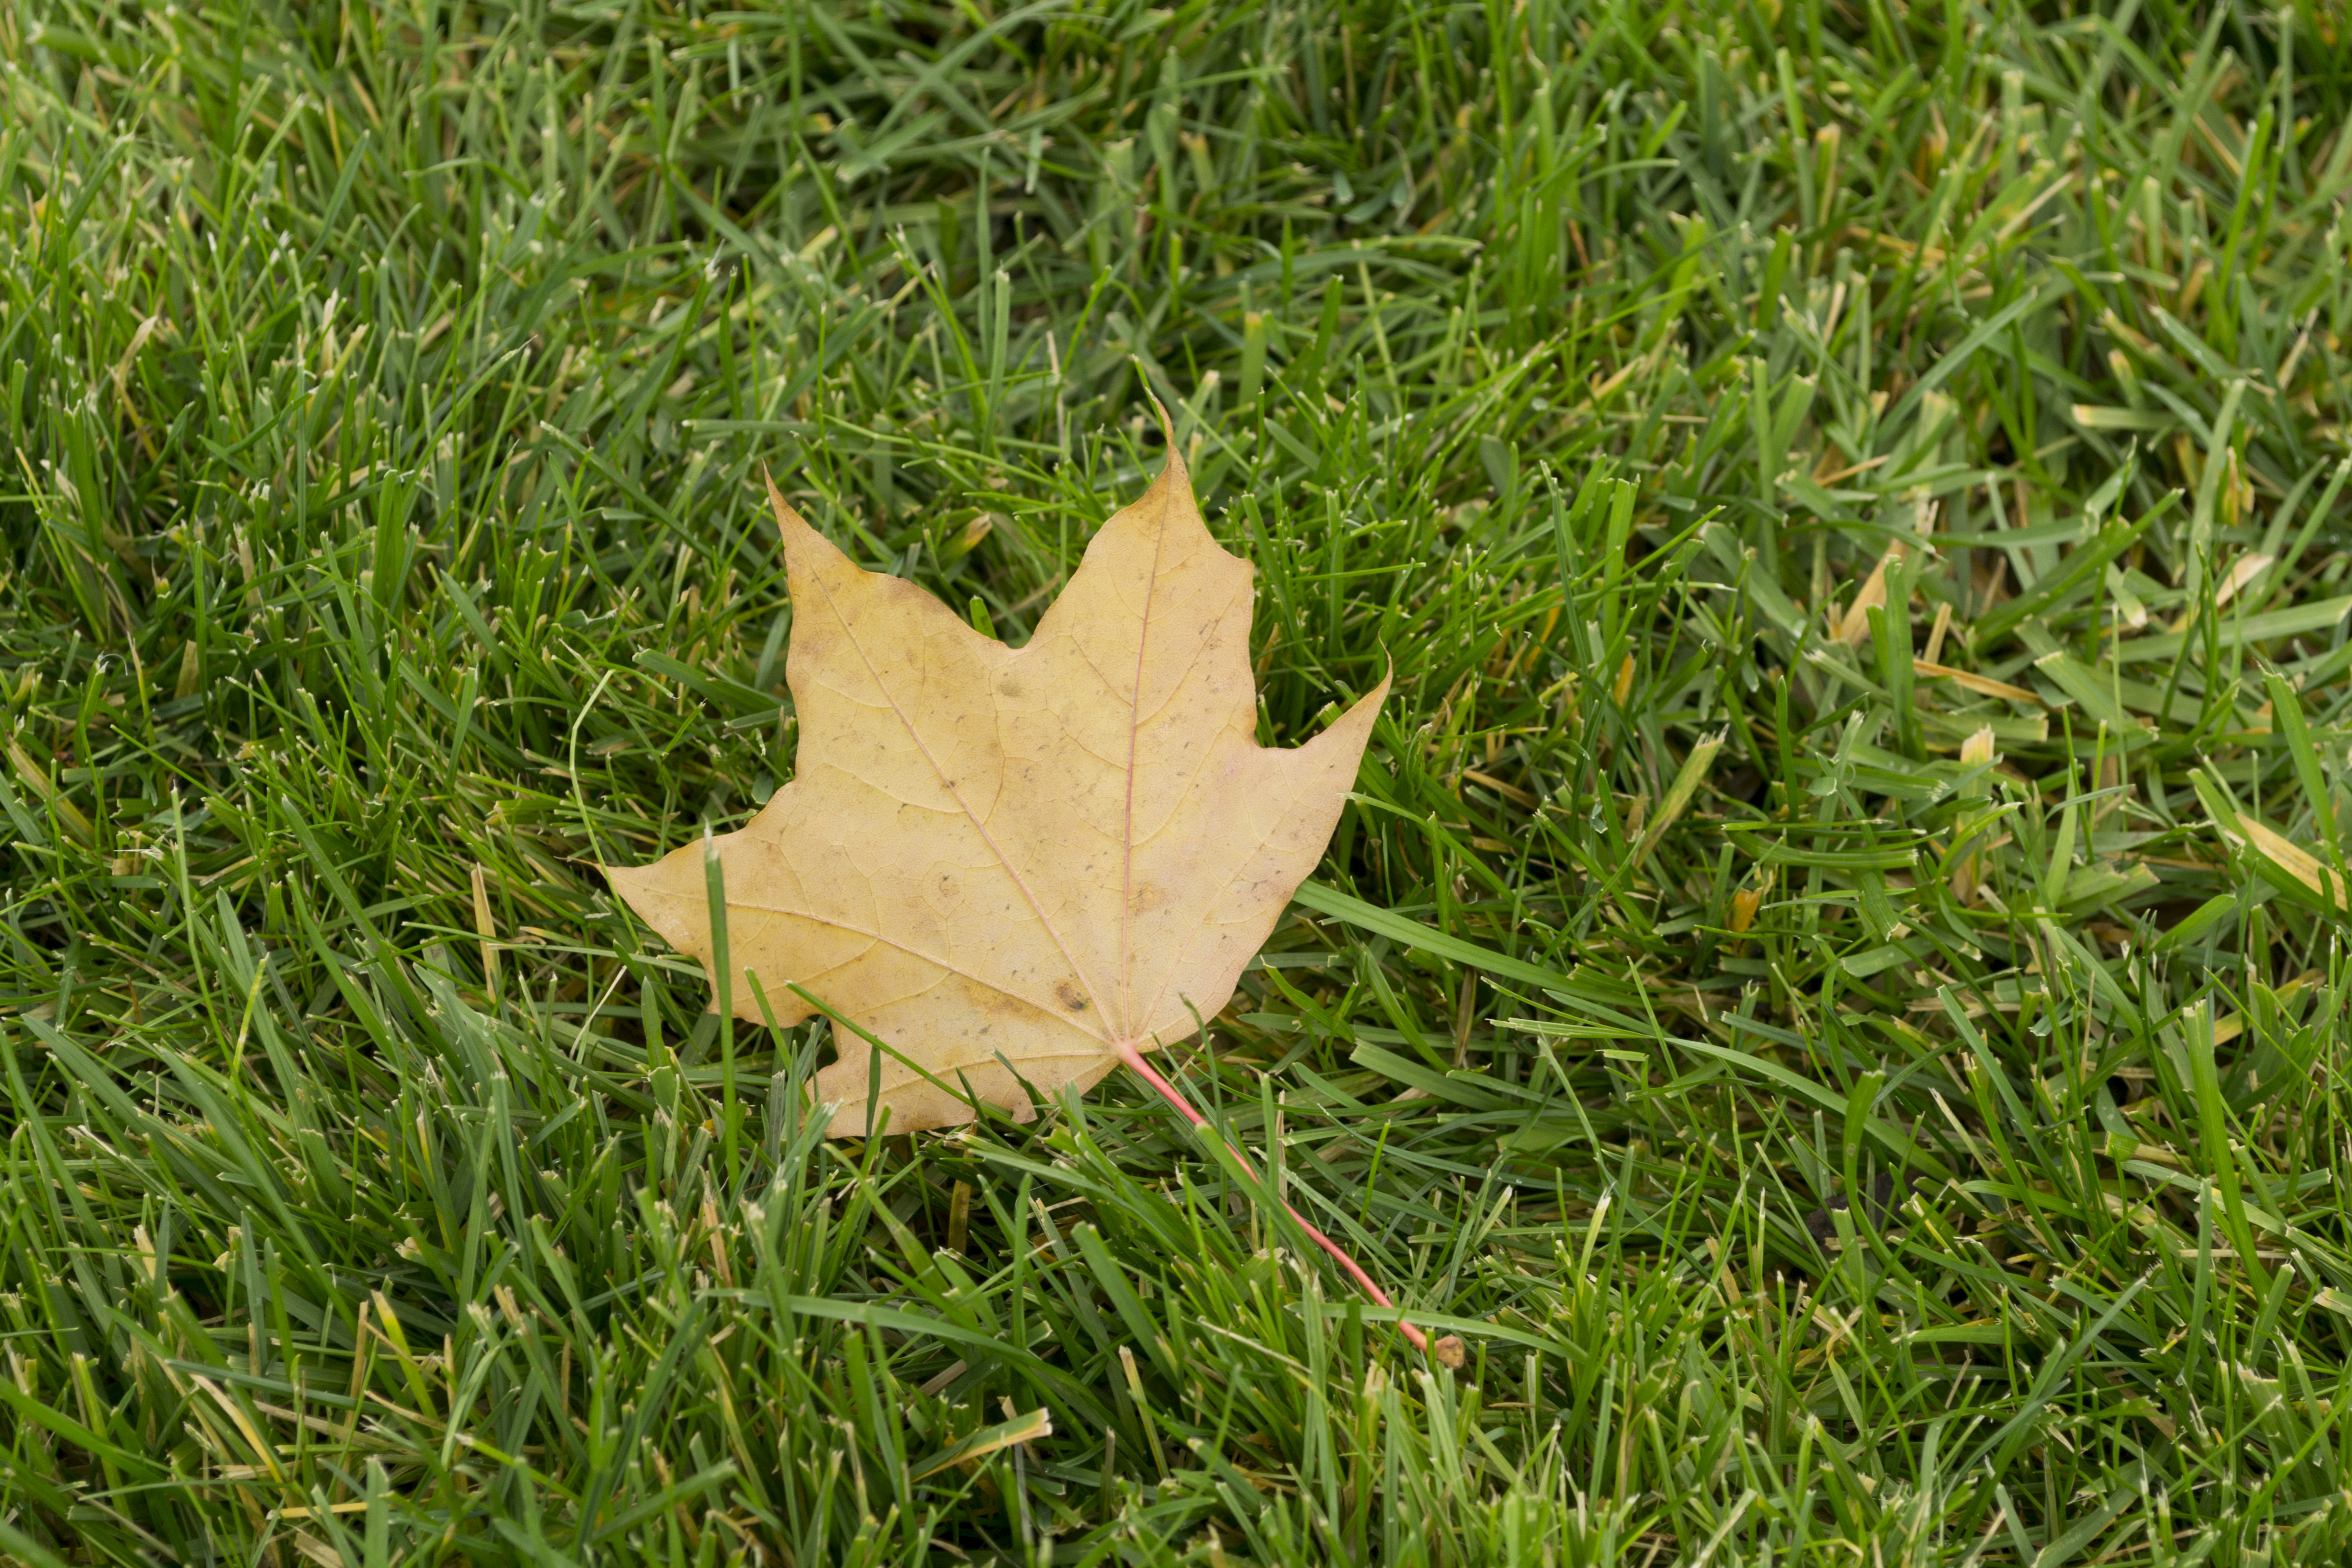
1040,861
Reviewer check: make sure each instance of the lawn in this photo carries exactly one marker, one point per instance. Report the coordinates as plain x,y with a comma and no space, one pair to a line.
1831,983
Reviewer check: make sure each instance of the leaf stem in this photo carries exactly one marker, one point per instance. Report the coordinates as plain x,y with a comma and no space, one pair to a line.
1168,1092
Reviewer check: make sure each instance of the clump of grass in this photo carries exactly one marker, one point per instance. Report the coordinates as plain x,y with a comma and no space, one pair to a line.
1831,984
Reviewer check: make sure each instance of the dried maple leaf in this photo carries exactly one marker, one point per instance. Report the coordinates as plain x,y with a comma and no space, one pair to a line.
1042,861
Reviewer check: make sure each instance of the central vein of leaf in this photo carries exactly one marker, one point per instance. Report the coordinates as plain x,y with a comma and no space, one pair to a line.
850,634
1126,1020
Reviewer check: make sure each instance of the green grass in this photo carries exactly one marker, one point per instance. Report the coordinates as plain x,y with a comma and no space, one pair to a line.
385,393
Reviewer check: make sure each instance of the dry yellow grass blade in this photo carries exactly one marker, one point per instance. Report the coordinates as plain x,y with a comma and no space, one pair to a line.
1857,623
1026,1428
2288,856
1692,774
1969,680
1976,752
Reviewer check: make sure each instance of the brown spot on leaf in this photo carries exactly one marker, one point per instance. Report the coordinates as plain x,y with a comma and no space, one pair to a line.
1070,996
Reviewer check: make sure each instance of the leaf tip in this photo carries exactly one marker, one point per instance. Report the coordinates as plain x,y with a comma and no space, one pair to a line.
1167,426
788,521
640,888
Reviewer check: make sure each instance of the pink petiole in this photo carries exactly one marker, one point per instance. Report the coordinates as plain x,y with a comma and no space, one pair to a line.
1168,1092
